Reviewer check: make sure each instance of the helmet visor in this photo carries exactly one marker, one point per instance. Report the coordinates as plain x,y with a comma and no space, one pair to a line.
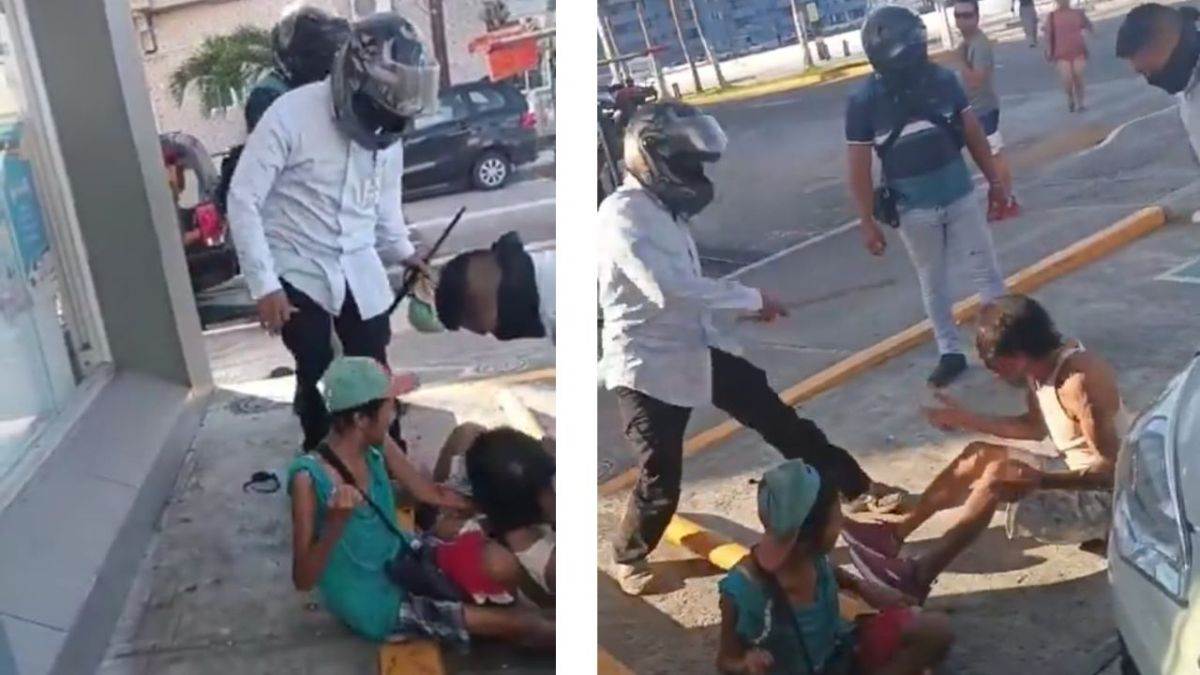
402,89
699,135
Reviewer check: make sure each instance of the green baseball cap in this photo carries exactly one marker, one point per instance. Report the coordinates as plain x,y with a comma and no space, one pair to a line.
786,495
354,381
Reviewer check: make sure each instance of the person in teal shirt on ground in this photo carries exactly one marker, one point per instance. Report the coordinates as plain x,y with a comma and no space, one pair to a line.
341,545
790,564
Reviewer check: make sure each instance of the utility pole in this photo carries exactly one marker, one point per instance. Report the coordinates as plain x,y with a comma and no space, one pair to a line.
683,45
622,64
802,33
608,54
658,74
437,26
712,58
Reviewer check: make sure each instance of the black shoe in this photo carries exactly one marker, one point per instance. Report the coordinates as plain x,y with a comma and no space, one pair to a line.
949,367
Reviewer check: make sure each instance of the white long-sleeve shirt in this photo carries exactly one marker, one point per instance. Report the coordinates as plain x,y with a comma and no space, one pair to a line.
312,207
656,303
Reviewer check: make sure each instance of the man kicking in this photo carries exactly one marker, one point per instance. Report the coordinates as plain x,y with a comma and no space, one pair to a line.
663,355
1060,497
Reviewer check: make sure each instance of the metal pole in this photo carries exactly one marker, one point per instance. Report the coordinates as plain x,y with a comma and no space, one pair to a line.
802,33
712,57
608,54
683,45
658,74
622,65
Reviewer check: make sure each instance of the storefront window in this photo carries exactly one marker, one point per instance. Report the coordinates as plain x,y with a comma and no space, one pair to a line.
38,357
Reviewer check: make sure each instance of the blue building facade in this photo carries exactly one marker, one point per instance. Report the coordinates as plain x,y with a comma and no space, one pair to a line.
733,27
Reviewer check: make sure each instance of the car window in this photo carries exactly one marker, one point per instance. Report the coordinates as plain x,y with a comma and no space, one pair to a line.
450,109
486,100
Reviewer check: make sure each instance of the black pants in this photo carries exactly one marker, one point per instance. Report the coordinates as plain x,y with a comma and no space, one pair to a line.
307,336
656,431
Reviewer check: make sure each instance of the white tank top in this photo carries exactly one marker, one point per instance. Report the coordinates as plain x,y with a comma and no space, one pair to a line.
1064,431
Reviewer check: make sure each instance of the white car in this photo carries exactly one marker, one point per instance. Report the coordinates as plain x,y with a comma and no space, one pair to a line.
1153,543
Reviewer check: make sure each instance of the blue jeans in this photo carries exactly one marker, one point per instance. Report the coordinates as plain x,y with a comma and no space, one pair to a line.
937,238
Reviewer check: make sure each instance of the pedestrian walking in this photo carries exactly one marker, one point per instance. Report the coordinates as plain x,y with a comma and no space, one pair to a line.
1029,21
1162,43
314,208
1066,48
662,353
977,68
915,116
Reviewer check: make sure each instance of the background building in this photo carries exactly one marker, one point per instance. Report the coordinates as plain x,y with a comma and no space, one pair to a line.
733,27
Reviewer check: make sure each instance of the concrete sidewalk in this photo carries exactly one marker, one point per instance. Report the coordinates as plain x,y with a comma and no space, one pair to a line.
1047,604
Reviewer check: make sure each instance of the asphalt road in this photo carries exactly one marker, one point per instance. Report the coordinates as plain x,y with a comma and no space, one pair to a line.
782,178
526,206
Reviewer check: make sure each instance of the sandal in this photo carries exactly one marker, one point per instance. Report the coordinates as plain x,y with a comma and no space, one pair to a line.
880,498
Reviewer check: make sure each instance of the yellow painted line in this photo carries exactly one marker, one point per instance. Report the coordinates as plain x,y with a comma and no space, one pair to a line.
609,665
518,414
498,381
1054,266
418,657
726,554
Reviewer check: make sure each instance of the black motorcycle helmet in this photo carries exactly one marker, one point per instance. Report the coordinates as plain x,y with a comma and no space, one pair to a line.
304,43
895,42
673,141
382,78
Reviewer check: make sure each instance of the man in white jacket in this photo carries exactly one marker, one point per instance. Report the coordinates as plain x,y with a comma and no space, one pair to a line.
663,355
314,206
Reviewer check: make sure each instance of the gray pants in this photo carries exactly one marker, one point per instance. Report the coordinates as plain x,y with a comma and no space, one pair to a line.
1029,22
936,237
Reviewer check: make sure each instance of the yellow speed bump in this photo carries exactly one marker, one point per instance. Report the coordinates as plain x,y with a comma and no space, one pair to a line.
497,381
726,554
519,416
1061,263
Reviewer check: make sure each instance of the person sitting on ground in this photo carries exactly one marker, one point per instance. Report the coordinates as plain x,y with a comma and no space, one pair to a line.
512,482
503,291
790,566
1062,496
342,544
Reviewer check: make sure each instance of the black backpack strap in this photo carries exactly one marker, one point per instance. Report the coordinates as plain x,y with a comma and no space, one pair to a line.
906,107
338,465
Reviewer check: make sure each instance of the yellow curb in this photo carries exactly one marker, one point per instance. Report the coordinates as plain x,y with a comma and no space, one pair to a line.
1082,252
499,380
518,414
848,71
609,665
726,554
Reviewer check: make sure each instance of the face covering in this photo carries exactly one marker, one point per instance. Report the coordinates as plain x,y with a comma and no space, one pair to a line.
385,128
1177,73
518,306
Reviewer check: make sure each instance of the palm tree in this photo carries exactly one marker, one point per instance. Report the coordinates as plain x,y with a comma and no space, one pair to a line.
716,64
224,68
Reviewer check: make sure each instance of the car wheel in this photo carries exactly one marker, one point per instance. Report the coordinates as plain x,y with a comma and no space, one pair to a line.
491,171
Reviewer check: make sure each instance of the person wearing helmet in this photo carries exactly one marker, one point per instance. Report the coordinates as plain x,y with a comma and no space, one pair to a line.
303,45
314,207
915,116
662,353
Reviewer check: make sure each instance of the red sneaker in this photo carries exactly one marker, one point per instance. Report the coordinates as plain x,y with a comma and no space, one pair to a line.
878,538
995,213
1014,208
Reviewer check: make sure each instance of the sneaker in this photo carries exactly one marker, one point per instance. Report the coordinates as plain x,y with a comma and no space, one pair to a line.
1013,210
635,579
949,367
994,214
879,538
898,573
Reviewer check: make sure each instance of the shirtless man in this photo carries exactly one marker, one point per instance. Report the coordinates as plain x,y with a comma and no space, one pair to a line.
1062,496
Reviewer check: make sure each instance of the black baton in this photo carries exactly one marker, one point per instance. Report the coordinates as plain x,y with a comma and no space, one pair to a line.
410,274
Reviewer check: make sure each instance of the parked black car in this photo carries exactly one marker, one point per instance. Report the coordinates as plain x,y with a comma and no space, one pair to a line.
193,179
480,131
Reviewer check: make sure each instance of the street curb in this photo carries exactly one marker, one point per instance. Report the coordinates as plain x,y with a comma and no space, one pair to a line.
848,71
500,380
519,416
1058,264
